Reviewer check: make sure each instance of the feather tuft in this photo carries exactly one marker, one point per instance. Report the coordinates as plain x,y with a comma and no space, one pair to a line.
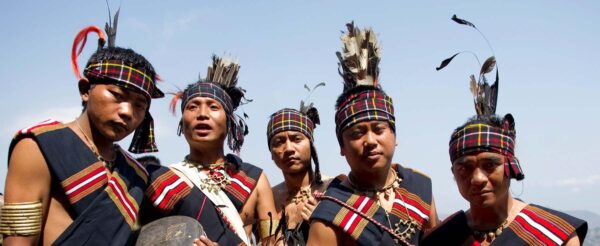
173,103
79,43
223,71
359,58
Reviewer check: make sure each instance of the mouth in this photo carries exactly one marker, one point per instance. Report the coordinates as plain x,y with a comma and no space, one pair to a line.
202,128
291,159
482,193
373,155
120,126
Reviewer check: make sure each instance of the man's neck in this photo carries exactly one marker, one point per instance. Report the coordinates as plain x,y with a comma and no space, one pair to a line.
371,180
91,136
206,156
295,181
483,218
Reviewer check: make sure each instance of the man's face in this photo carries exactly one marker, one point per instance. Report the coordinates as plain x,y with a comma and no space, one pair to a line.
290,150
368,146
480,178
204,122
114,111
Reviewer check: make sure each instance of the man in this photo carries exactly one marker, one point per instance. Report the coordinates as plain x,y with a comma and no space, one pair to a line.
380,203
482,152
291,143
75,184
221,191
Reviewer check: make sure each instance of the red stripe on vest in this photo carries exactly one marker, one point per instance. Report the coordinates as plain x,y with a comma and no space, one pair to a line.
535,232
162,186
170,194
547,224
84,178
86,186
120,193
41,124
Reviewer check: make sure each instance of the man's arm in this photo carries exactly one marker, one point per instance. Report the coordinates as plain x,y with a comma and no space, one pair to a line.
28,180
322,233
265,206
433,218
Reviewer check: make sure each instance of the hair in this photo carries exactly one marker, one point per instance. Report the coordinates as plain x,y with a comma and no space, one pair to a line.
127,55
148,160
492,120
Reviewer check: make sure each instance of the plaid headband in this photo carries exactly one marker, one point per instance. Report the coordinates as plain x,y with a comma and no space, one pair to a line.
480,137
290,120
123,75
126,76
365,106
210,90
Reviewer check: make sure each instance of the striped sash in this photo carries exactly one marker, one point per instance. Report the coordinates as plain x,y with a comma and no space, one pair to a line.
244,177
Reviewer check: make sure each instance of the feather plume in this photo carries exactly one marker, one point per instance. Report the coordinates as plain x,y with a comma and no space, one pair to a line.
223,71
173,103
111,27
485,97
79,43
359,58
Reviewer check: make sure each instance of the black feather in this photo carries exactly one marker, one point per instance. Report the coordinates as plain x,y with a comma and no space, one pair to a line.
446,62
313,115
462,22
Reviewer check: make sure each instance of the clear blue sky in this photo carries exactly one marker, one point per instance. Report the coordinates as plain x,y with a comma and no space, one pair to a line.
546,50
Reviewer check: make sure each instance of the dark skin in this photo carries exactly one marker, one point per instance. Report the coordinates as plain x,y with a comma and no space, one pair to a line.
290,150
481,180
204,124
369,147
111,114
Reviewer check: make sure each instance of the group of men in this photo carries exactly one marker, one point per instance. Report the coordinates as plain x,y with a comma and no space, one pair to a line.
69,183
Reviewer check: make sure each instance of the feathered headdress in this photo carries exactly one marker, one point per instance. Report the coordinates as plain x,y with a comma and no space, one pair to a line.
119,72
485,96
479,136
359,58
362,98
220,84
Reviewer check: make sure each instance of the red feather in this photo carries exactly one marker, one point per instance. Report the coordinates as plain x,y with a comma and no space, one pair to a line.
80,41
173,104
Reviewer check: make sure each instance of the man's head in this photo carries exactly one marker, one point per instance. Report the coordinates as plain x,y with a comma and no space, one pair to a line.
365,128
290,140
483,160
116,88
364,119
208,107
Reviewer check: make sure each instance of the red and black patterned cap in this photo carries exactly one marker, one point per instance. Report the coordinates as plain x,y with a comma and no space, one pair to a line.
290,120
366,105
480,137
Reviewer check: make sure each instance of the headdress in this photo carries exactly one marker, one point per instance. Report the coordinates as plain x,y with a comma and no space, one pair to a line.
479,135
303,120
362,98
120,72
220,84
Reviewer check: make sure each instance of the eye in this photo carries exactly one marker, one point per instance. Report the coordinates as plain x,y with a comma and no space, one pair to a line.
191,107
117,94
140,106
380,128
215,107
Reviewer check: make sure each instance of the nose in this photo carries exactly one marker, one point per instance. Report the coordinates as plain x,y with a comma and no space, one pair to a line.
370,139
202,112
479,177
126,111
287,148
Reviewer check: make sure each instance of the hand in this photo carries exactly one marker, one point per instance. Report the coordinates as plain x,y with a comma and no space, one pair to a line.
204,241
309,207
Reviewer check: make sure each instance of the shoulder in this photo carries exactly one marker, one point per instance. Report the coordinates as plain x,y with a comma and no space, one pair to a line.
558,221
279,193
413,172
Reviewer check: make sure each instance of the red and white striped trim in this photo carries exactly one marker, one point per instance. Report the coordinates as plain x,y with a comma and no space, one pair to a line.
123,201
414,208
47,122
86,181
165,191
351,220
537,227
